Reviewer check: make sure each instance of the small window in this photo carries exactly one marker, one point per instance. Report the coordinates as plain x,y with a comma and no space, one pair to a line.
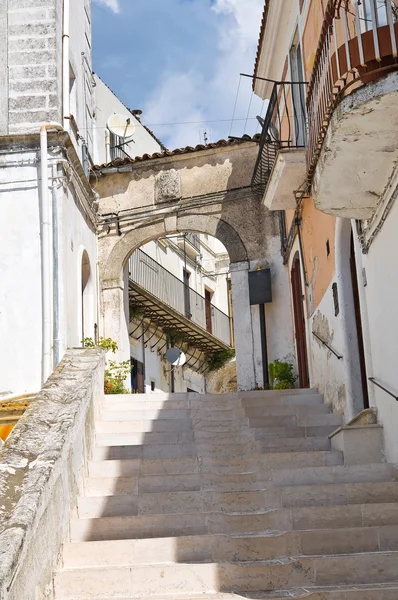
327,248
153,385
335,299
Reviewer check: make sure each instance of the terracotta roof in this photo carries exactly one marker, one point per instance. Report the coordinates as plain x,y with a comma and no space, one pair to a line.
261,38
120,162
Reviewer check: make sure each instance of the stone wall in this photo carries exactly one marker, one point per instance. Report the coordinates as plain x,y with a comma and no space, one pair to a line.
41,466
31,47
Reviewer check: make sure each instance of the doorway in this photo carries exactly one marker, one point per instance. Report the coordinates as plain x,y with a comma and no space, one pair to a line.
299,323
187,294
137,376
358,323
208,296
86,298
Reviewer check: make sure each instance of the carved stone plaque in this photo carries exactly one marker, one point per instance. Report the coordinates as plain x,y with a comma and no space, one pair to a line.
167,186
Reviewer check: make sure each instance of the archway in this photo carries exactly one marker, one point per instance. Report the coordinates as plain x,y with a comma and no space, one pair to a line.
114,286
87,300
353,349
299,323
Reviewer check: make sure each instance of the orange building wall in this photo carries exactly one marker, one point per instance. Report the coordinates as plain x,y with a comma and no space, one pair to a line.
316,229
311,35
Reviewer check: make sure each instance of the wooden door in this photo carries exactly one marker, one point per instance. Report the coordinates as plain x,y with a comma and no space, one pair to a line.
209,325
299,324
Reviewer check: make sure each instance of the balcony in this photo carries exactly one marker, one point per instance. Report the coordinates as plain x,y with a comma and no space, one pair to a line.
169,303
281,164
352,107
190,243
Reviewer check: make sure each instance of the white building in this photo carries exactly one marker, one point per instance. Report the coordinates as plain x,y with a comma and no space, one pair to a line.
54,116
189,275
48,251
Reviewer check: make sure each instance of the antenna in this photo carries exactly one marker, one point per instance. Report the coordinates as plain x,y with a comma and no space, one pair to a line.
176,357
121,126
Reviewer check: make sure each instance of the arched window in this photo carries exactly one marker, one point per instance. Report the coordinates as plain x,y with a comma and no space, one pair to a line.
87,298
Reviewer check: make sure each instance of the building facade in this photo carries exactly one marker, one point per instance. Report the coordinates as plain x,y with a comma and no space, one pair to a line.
327,164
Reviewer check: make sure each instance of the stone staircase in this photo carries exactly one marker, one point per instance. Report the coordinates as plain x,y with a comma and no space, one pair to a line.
227,497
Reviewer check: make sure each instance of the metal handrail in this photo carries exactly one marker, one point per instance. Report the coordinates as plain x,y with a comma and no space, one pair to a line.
285,126
373,380
338,356
161,283
353,46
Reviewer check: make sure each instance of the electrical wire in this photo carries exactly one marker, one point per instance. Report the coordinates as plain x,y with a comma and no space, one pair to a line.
236,104
248,112
179,123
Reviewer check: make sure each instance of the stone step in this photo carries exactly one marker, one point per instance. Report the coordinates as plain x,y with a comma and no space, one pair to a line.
130,467
303,420
356,592
241,502
138,439
143,414
222,547
170,466
165,579
286,410
141,426
266,433
290,460
278,393
296,400
151,451
296,444
218,438
296,518
251,481
122,404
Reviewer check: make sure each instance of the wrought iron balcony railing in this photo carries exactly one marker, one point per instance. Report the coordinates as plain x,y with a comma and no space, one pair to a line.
285,126
160,283
358,44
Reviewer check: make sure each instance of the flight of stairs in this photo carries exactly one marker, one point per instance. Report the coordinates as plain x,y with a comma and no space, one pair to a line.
221,497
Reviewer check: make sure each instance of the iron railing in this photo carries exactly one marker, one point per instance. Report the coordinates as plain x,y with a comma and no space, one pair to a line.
382,387
359,39
158,281
327,345
285,126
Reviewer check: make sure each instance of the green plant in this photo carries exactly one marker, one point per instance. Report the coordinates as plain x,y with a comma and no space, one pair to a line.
115,376
216,360
174,336
282,376
117,372
107,344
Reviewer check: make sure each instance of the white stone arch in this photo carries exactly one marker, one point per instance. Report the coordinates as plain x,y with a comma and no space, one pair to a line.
114,257
114,260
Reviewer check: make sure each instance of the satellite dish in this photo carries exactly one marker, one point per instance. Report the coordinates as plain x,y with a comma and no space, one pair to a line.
121,126
176,357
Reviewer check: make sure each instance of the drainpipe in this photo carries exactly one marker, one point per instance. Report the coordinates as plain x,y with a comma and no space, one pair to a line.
46,251
65,66
107,146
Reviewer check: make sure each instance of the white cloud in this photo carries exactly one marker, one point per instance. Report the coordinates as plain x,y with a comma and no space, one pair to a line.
191,96
111,4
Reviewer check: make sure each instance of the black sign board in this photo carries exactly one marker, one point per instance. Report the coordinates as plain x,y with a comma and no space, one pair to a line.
260,286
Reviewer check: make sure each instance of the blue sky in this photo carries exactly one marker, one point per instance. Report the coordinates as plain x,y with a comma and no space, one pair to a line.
179,61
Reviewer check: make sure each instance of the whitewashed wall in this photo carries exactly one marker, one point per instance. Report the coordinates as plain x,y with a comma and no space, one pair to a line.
20,265
380,316
107,104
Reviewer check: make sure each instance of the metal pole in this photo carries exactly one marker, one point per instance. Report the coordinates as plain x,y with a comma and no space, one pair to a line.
264,351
